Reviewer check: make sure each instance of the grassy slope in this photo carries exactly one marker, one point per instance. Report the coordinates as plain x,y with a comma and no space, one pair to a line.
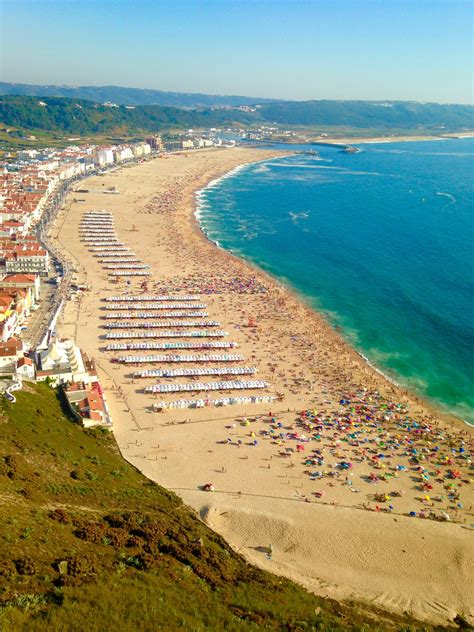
136,557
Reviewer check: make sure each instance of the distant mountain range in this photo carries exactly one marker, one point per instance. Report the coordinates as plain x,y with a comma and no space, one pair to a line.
85,117
128,96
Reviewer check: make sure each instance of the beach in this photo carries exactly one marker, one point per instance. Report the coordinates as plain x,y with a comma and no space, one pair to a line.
361,140
330,470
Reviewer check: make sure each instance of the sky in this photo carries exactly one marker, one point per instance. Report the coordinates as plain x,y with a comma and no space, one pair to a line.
418,50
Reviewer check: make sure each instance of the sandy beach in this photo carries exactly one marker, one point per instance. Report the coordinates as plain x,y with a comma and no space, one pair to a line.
329,472
361,140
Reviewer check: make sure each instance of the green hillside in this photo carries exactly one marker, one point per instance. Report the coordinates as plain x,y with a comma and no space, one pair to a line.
75,116
88,543
353,114
371,114
82,117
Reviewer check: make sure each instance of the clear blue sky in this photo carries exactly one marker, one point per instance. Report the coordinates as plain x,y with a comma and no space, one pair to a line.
295,49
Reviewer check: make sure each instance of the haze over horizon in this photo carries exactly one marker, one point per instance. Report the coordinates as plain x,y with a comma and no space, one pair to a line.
350,50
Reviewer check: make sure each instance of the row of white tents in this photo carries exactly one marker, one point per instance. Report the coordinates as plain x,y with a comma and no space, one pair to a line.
153,297
169,323
95,233
123,273
119,258
101,213
97,227
145,315
221,401
216,357
148,346
231,370
96,222
91,219
157,305
166,334
114,253
102,240
232,385
127,266
110,249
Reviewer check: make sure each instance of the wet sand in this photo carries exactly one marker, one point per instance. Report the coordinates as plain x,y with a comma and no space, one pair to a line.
333,509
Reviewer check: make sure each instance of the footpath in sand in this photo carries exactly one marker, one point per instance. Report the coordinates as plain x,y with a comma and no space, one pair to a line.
329,472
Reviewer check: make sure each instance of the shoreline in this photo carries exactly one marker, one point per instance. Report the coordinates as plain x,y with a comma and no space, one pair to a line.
361,140
259,499
436,408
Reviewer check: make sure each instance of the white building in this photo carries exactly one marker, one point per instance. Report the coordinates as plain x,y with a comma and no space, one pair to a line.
71,170
27,262
27,154
121,154
105,157
63,362
25,368
140,149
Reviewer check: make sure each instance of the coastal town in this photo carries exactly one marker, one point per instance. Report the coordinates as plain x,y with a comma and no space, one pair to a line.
36,280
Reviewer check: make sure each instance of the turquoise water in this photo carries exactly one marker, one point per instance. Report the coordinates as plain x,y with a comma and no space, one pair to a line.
381,240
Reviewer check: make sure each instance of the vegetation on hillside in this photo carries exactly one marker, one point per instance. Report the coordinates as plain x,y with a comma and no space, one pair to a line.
85,117
81,117
363,114
88,543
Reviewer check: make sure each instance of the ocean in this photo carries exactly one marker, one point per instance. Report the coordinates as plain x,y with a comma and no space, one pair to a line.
381,241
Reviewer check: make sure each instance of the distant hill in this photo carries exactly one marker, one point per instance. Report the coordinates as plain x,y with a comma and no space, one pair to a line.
355,114
74,116
83,117
372,114
128,96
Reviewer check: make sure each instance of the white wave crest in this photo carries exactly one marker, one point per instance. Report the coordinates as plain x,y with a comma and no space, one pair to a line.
447,195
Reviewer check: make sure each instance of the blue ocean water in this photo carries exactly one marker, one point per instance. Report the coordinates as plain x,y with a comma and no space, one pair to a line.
381,241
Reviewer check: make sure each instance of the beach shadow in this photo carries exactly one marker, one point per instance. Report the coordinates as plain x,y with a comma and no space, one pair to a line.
260,549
